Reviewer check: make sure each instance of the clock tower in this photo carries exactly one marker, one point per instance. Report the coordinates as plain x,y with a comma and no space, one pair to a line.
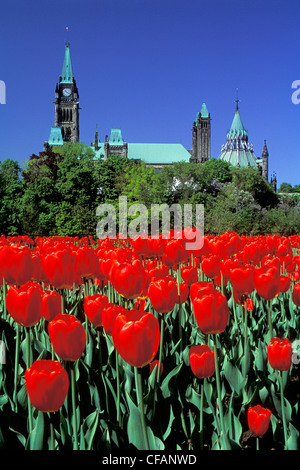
66,101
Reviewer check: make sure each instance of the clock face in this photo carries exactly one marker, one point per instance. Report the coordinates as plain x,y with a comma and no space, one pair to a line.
66,92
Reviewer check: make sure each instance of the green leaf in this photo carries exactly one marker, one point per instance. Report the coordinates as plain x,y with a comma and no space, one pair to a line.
20,436
260,356
292,442
234,376
135,429
166,386
90,426
37,434
169,427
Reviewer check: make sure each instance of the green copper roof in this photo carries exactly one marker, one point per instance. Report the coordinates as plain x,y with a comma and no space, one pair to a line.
116,136
155,154
237,149
240,158
158,153
237,129
67,71
204,112
55,136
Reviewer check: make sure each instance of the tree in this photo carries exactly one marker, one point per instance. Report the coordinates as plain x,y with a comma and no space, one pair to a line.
250,179
11,192
285,188
110,176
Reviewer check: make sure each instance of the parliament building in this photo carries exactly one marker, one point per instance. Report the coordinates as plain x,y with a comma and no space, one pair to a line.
236,150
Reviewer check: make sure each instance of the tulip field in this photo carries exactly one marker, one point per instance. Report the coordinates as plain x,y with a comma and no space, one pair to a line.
145,344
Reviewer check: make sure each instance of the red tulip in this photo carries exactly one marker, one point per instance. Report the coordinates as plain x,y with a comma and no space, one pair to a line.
189,274
249,305
285,284
85,262
59,267
136,337
25,304
139,244
175,252
109,314
184,292
67,336
202,361
157,245
211,312
258,420
38,273
51,304
296,294
211,266
242,280
93,307
163,294
267,282
47,385
201,287
16,264
128,278
280,354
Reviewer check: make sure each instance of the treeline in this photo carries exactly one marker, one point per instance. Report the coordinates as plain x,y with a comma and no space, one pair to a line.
58,192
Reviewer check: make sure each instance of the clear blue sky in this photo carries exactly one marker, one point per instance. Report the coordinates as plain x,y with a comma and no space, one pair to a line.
147,65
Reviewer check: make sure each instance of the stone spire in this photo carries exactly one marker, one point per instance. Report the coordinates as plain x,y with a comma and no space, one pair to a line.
67,70
265,162
201,136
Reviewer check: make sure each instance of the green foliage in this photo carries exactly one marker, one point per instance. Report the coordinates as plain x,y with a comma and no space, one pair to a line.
249,179
59,191
285,188
11,190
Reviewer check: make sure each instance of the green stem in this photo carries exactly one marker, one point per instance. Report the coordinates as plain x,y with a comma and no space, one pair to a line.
179,307
4,299
99,334
245,341
257,443
17,353
73,392
222,283
234,313
162,328
201,415
28,363
282,408
118,389
218,381
52,439
270,319
141,406
62,300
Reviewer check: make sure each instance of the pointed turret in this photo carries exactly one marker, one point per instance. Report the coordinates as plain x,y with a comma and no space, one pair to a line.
67,70
66,111
237,129
237,149
201,136
96,140
265,162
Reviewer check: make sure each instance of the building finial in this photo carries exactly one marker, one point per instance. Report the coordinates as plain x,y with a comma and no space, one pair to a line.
67,35
237,99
